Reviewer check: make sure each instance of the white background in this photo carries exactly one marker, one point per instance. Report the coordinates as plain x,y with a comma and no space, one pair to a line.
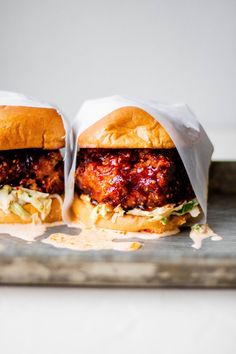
66,51
175,51
87,321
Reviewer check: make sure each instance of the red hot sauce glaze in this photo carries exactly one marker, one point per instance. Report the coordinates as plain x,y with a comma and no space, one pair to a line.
132,178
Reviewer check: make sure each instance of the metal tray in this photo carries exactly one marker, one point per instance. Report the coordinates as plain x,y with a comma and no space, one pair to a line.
167,262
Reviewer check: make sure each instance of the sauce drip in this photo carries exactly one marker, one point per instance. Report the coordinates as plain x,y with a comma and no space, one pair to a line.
203,233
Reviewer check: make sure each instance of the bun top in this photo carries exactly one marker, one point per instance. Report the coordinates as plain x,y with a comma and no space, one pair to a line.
30,127
126,127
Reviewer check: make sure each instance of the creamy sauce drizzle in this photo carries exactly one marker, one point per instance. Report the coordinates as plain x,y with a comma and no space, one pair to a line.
92,240
199,236
26,232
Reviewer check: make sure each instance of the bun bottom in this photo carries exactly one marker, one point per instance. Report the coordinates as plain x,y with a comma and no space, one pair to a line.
55,214
82,211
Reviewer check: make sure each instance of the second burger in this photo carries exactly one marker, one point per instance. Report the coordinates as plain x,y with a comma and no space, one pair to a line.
31,164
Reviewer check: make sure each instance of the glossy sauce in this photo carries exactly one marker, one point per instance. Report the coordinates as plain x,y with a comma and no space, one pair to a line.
132,178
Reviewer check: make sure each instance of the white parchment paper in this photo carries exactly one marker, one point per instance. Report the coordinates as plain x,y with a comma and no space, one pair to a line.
189,137
16,99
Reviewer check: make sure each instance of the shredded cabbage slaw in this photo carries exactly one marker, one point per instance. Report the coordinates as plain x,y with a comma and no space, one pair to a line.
161,214
13,199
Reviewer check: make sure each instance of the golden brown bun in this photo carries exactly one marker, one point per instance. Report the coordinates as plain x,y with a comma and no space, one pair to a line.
55,214
30,127
126,127
82,211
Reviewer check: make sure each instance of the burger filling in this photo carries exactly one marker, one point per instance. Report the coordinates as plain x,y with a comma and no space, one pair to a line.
142,182
30,176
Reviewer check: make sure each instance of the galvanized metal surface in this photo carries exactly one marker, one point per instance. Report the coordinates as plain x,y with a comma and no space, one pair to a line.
167,262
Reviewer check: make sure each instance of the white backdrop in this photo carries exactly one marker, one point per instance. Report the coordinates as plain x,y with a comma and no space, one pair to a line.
118,321
66,51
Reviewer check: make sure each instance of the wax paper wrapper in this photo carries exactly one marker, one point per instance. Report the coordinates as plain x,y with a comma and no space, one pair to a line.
16,99
189,137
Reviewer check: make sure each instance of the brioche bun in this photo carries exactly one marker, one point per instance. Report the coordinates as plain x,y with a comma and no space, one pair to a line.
126,127
55,214
82,212
30,127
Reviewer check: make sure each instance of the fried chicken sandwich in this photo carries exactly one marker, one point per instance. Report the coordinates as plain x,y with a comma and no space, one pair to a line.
31,164
130,177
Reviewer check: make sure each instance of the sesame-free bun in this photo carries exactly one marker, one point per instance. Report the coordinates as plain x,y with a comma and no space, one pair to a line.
126,127
30,127
54,216
82,212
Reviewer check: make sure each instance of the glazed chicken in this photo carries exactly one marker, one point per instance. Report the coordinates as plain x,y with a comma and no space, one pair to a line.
132,178
36,169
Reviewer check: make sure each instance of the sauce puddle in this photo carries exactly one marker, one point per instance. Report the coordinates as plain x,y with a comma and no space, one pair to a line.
92,240
89,239
26,232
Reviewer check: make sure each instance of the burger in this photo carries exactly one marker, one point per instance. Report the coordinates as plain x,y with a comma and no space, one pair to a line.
31,164
130,177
